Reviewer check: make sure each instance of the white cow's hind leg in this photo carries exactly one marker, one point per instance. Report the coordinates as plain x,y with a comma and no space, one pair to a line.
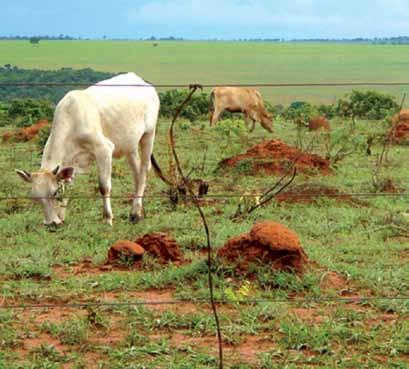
140,167
103,156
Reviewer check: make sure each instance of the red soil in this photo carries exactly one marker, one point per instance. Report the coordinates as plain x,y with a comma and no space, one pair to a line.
267,243
317,123
307,194
25,134
276,157
161,246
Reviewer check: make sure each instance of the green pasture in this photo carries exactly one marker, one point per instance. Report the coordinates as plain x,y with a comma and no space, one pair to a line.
363,244
227,63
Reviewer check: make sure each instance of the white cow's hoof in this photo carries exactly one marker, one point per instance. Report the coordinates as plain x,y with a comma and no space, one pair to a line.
108,221
135,218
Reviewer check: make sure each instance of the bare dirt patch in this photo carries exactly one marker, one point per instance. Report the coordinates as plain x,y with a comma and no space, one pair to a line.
308,193
247,351
311,315
276,157
267,243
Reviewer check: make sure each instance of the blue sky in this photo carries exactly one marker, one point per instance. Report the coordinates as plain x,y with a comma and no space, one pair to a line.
207,18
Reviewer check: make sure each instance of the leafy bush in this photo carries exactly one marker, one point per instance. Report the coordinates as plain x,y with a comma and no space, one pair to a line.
4,117
26,112
197,108
274,109
300,111
366,105
328,111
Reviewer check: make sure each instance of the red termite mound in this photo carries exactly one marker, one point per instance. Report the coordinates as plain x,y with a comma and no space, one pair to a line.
276,157
125,250
267,243
317,123
400,126
161,246
25,134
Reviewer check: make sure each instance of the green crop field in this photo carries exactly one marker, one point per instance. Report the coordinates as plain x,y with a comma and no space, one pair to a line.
357,248
226,62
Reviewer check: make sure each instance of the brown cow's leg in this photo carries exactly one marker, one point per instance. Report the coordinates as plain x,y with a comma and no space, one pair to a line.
253,125
215,117
246,119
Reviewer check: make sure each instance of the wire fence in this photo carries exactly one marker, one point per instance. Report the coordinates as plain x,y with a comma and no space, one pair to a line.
208,85
250,301
195,199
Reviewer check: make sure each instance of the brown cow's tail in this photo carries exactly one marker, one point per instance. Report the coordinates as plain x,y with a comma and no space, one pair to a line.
159,172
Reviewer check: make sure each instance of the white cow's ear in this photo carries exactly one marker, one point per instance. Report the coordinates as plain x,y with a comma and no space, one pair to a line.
26,176
66,174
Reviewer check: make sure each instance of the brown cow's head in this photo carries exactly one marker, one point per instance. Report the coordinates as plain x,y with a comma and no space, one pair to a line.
45,188
266,120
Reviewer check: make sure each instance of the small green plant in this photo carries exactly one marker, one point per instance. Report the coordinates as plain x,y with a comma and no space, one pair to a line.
74,331
230,127
344,142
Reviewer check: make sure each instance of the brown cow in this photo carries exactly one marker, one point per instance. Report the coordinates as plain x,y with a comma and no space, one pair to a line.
240,100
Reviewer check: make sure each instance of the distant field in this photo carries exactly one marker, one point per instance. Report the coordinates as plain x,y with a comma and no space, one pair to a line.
226,62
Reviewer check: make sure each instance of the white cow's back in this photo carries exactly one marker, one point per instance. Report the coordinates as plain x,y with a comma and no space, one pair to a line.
122,113
124,97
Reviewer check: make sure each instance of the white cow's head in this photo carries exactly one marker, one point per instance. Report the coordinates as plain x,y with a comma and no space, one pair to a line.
46,189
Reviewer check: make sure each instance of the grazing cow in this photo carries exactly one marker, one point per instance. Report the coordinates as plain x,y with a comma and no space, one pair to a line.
240,100
98,123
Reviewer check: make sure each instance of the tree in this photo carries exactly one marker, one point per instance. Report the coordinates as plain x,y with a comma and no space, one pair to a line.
34,40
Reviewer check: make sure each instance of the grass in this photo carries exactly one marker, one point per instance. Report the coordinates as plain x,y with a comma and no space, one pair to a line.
360,245
225,62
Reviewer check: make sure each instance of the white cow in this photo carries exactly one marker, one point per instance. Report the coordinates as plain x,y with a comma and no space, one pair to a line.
98,123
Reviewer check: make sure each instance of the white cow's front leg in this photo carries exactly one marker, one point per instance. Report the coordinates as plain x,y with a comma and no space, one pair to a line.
104,163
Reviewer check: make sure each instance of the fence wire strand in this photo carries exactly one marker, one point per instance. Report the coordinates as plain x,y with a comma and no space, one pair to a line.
306,300
205,85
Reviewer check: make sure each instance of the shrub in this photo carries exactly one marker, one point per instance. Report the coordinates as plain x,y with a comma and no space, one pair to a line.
328,111
300,111
198,106
26,112
366,105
